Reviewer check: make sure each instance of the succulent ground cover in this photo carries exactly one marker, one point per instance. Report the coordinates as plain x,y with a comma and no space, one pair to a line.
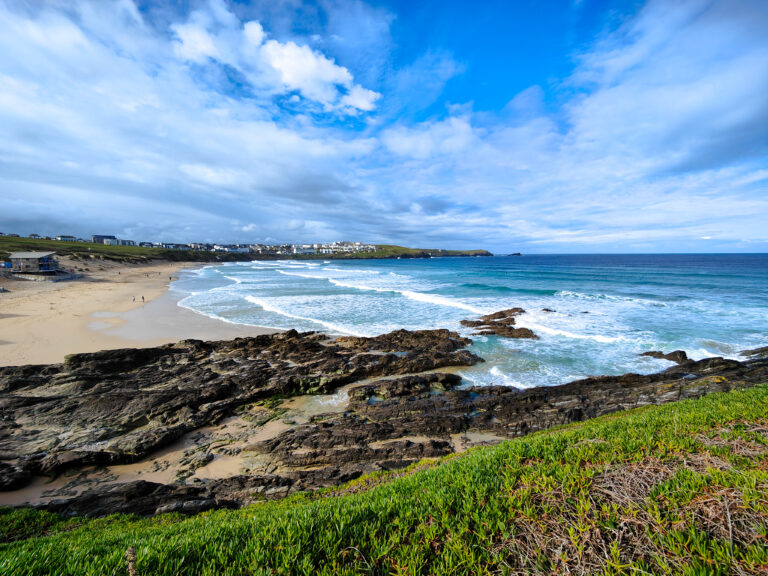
674,489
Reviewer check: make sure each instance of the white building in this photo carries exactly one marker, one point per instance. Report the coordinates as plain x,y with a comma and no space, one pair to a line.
304,249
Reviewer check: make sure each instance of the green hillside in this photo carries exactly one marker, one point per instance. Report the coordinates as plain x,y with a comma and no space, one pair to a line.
393,251
133,254
677,489
138,254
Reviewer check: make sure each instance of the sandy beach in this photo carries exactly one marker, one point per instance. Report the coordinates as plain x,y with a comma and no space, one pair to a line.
40,323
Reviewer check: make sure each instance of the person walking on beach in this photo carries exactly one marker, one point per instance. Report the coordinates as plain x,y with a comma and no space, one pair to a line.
142,299
134,299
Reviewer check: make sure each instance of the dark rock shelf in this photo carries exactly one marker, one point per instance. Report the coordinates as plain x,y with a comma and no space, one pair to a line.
122,406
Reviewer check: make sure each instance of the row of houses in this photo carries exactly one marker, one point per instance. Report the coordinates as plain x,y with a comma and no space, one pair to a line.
318,248
327,248
264,249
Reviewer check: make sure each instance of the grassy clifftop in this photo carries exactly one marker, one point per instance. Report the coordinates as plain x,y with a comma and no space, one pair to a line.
677,489
393,251
10,244
134,254
388,250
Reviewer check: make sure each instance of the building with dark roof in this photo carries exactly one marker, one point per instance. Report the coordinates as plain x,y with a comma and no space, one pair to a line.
35,262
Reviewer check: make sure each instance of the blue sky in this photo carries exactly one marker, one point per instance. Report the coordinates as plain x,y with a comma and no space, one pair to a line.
534,126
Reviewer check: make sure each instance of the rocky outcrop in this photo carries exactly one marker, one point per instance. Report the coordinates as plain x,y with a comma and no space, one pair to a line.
501,323
107,407
118,406
147,498
13,477
678,356
756,353
396,422
410,341
384,416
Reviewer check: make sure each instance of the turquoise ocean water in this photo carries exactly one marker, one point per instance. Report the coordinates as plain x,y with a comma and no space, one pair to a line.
608,308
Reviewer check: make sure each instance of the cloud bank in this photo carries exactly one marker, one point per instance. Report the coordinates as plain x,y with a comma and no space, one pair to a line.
226,123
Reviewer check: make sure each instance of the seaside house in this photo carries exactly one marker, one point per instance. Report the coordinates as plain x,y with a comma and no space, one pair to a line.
118,242
304,249
34,262
100,238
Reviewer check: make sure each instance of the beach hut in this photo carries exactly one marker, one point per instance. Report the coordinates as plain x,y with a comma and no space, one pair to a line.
35,262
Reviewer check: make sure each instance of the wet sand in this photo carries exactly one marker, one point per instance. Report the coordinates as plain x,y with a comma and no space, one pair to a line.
41,323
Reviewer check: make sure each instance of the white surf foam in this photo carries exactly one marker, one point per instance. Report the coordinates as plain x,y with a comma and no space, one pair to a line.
184,304
500,378
198,271
536,327
357,286
609,297
410,294
302,275
271,307
441,301
353,271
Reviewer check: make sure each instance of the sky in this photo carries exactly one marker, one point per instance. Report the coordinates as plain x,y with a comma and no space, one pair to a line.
535,126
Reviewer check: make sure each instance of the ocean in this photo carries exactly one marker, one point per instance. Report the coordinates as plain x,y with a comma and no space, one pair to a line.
607,308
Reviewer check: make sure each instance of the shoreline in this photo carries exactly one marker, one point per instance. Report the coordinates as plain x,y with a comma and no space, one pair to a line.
41,323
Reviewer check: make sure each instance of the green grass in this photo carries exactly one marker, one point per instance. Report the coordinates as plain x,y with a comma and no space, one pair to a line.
677,489
384,251
392,251
136,254
139,254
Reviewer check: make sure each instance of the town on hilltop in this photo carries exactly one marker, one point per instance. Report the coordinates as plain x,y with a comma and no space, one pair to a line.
263,249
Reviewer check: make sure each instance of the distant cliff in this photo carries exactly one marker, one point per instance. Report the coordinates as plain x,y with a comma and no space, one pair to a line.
392,251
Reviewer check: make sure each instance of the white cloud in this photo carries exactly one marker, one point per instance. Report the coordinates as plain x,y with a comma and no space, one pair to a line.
663,141
217,177
194,43
301,68
213,32
210,127
451,136
254,32
360,98
117,126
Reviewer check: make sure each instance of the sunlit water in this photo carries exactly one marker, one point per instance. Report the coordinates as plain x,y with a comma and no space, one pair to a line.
608,309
